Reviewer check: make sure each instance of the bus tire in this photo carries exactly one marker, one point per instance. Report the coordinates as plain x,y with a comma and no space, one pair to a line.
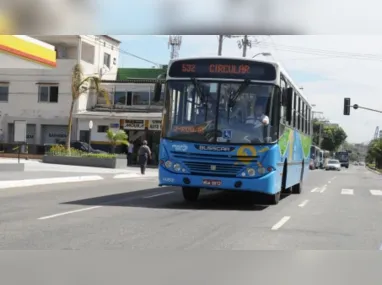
284,178
274,199
297,189
190,194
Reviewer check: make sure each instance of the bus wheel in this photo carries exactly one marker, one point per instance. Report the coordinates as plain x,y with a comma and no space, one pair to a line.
274,199
297,189
190,194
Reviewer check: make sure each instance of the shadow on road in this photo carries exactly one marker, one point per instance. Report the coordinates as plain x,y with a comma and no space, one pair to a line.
207,201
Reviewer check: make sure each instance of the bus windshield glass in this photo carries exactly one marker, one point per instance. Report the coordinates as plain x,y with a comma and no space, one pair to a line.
220,112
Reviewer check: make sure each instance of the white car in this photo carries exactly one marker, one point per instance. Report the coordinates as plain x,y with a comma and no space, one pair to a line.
333,164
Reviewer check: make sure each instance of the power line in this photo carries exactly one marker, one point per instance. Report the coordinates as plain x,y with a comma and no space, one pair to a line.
321,52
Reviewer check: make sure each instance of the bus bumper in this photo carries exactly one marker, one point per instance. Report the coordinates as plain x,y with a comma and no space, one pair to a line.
266,184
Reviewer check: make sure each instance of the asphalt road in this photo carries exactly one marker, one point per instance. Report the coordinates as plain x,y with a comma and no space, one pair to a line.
338,210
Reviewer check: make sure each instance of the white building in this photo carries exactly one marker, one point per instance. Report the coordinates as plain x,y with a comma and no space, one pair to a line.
43,97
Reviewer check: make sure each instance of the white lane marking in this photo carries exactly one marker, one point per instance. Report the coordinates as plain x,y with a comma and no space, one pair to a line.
47,181
376,192
329,182
156,195
323,189
334,178
69,212
347,191
280,223
315,189
380,248
303,203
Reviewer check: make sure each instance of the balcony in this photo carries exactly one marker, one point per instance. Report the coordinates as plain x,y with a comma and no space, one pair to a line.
126,101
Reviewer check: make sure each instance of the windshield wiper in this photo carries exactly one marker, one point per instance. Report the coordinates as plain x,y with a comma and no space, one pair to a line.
198,90
232,98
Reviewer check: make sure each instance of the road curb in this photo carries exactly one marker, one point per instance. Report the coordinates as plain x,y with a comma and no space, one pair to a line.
7,184
372,170
134,175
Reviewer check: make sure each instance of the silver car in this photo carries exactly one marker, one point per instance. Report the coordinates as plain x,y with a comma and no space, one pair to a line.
333,164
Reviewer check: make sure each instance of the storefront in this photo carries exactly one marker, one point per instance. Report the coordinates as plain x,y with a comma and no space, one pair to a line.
51,134
31,133
139,130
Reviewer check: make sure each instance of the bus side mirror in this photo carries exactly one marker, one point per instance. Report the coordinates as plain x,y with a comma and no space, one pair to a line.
157,91
289,100
158,87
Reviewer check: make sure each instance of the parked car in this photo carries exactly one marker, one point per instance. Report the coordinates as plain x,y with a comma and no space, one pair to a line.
83,146
311,164
333,164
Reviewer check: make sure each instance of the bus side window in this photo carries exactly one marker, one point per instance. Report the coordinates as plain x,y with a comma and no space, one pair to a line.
307,119
294,110
303,116
283,86
298,114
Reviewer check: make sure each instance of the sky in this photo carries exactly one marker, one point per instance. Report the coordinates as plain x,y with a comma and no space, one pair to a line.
328,68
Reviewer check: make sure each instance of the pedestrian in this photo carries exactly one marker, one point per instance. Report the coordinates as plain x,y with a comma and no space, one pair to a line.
144,153
130,150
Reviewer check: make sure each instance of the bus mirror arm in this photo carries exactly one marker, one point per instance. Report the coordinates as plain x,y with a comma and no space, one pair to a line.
289,100
158,88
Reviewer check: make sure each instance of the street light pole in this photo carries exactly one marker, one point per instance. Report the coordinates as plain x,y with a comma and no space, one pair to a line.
262,53
90,133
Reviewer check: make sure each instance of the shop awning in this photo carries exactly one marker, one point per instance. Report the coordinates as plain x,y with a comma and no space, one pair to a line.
27,48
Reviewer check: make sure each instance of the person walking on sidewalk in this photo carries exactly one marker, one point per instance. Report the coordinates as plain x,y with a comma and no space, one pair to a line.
130,150
144,153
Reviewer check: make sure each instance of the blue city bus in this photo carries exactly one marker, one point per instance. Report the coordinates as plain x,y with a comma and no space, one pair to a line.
233,124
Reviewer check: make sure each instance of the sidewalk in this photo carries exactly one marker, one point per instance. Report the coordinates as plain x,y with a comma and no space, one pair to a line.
36,165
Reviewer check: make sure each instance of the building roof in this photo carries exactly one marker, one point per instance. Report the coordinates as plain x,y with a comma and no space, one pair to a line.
141,73
111,38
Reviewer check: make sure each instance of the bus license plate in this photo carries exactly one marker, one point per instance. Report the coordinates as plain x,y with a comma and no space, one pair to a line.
212,182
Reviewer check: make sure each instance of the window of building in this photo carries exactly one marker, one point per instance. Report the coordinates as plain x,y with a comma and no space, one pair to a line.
106,59
102,129
48,94
4,92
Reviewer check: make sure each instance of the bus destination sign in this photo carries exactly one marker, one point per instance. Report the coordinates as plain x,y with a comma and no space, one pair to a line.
223,68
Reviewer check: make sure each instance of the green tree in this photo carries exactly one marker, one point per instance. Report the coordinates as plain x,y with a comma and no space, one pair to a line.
116,137
333,137
81,85
374,153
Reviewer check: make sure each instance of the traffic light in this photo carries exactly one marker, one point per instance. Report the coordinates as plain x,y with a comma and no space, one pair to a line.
347,106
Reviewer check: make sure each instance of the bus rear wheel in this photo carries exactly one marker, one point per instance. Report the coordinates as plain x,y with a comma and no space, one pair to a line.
190,194
297,189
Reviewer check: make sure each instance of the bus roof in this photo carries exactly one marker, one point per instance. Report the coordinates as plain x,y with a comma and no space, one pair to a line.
276,64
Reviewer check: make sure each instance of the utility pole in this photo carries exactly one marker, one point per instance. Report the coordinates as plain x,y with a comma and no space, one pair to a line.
220,48
174,42
244,43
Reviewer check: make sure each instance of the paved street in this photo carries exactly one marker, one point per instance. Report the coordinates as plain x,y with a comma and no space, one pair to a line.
338,210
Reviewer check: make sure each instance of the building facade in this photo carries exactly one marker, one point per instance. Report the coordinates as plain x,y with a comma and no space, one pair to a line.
132,109
42,97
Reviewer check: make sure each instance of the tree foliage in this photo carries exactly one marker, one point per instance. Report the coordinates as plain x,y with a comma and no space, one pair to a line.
81,85
117,137
374,153
332,137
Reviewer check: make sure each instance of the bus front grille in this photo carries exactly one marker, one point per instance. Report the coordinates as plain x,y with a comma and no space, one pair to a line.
211,169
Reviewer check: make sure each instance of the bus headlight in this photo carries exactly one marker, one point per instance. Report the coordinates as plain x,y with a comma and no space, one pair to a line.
261,170
177,167
168,164
251,171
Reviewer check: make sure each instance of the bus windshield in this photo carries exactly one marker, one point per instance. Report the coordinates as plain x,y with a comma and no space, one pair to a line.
220,112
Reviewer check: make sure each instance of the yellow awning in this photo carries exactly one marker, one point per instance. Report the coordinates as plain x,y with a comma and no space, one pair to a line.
29,49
